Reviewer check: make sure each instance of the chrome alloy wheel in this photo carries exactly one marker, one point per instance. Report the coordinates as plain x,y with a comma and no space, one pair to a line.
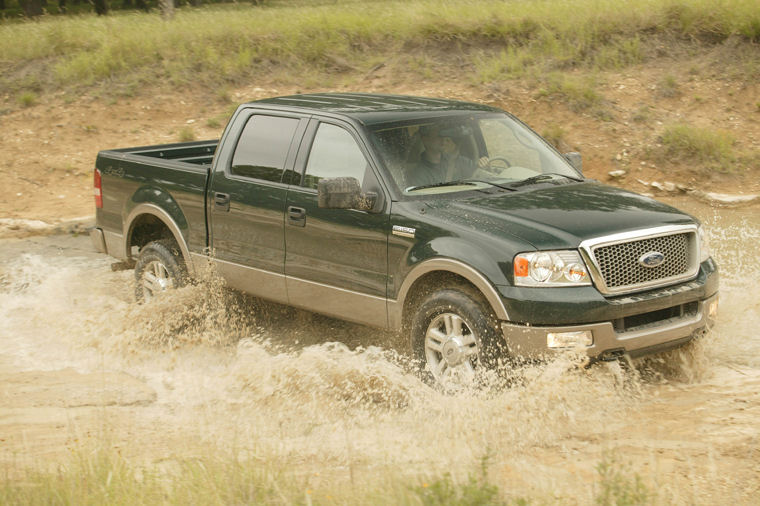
156,279
451,348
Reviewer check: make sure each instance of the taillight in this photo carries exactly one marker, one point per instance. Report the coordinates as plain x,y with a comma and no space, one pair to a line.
98,190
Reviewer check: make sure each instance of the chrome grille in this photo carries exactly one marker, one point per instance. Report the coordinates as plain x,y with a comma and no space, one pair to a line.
618,269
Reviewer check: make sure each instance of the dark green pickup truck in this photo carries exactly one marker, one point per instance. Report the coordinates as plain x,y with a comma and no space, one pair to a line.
450,221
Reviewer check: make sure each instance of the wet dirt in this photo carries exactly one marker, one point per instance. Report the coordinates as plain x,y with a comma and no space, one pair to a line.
208,368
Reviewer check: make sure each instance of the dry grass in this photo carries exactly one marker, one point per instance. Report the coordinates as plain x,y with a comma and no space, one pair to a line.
310,40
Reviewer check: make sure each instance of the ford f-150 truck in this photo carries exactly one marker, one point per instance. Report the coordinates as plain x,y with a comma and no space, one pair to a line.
453,222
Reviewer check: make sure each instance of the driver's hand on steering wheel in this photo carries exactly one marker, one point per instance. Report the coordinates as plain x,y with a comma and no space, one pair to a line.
484,162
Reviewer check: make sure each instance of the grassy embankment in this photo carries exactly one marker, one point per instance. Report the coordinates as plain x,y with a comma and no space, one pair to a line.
558,47
310,44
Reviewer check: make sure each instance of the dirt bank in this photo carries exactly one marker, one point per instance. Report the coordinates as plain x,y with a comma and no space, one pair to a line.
49,148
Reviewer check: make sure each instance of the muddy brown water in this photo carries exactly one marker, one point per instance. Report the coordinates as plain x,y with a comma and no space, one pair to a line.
205,368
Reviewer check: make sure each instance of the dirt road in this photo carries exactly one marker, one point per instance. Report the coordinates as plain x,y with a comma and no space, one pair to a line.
205,368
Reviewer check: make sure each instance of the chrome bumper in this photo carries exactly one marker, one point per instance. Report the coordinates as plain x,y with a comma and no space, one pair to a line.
531,342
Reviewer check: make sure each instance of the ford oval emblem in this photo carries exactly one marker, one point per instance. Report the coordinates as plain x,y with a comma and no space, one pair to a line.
652,259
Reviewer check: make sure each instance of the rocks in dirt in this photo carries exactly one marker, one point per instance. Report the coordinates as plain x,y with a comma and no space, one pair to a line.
725,199
616,174
721,199
667,186
10,227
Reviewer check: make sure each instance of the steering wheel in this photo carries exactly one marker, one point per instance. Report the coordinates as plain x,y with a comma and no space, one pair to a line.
497,167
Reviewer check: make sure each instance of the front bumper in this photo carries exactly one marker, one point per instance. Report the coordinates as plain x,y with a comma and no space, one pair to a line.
608,343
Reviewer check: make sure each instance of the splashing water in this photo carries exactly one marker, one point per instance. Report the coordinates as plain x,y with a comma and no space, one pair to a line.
344,400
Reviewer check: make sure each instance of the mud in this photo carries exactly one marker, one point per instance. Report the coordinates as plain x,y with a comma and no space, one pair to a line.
208,368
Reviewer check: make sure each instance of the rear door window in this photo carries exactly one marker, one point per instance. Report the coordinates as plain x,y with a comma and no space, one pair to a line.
263,147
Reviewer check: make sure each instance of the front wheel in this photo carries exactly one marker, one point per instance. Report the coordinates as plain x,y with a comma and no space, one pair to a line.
455,336
159,267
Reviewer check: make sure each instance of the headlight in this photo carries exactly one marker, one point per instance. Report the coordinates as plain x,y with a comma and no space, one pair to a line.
704,244
550,268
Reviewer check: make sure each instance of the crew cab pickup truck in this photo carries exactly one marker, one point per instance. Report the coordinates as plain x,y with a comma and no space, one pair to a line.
450,221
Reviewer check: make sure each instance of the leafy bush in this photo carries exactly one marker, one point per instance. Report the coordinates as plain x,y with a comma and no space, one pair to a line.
701,145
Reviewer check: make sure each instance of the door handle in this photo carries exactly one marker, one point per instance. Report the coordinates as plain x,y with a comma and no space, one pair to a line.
296,216
222,201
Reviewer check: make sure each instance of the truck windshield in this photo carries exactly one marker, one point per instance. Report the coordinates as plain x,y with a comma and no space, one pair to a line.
430,155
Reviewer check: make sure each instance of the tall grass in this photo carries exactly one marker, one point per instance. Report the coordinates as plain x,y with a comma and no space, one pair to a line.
700,145
234,42
102,476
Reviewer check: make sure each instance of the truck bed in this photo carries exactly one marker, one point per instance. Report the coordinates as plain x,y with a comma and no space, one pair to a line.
197,153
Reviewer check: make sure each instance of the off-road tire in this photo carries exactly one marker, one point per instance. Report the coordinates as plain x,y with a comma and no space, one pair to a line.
478,323
159,267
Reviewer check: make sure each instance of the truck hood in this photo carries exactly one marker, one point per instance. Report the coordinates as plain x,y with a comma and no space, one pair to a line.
556,217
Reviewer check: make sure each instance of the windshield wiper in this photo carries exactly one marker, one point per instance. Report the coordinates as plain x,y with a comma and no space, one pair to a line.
541,177
458,182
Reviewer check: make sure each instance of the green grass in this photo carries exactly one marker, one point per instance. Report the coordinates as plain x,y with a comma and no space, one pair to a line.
102,476
186,134
706,146
27,99
668,87
555,134
233,43
618,485
579,91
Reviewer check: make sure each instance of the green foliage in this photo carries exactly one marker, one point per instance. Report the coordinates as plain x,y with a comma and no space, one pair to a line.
555,134
102,476
444,492
309,40
477,491
668,87
27,99
579,92
511,62
618,487
186,134
619,54
699,145
642,114
99,478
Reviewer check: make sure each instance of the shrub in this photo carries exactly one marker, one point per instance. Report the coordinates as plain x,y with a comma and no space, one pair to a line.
27,99
695,144
618,486
186,134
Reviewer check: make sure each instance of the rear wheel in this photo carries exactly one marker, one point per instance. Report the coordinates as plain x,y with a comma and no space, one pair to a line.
455,336
159,267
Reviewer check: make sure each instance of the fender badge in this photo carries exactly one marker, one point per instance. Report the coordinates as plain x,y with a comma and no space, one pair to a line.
404,231
652,259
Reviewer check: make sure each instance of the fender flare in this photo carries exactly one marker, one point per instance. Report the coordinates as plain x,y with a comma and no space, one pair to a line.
166,219
457,267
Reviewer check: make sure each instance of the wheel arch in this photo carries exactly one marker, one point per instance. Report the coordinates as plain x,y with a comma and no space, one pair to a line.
441,272
148,222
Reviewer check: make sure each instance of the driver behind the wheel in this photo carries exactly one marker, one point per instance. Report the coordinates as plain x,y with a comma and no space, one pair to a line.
441,160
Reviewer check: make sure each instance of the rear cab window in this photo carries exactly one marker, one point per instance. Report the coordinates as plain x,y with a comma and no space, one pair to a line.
263,146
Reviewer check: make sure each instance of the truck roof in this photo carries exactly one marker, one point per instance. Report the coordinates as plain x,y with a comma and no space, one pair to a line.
372,108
